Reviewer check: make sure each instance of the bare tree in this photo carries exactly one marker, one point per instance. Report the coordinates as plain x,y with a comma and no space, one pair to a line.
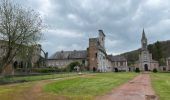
19,28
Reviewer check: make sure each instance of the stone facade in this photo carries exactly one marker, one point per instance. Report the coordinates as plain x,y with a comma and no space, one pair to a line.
119,63
97,55
95,58
18,61
168,64
63,58
145,62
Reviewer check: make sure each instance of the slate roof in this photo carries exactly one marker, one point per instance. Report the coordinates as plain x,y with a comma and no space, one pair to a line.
62,55
117,58
153,61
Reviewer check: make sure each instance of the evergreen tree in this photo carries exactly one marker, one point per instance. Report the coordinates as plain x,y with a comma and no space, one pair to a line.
158,53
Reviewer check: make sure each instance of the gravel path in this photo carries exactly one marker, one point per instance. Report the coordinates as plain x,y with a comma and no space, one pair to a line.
137,89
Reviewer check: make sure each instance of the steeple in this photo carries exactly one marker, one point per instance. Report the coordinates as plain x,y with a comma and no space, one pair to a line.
144,41
143,34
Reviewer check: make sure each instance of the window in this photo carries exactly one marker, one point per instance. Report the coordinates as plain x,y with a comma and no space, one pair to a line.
121,63
83,62
96,55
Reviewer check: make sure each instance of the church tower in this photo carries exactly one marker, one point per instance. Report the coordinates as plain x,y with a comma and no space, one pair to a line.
144,41
102,38
146,63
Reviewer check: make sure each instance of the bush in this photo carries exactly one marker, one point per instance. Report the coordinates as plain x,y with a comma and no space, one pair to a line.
116,70
72,65
94,69
45,70
155,70
137,70
42,70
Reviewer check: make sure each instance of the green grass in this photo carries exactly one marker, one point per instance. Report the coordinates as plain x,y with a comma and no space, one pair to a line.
35,78
88,87
19,90
13,92
7,89
161,85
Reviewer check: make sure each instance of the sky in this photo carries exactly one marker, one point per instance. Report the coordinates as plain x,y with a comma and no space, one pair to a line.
70,23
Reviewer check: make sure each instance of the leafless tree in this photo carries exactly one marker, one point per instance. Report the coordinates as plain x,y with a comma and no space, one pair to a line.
19,28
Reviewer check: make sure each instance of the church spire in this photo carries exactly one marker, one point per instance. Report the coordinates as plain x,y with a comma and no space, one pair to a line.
144,41
143,34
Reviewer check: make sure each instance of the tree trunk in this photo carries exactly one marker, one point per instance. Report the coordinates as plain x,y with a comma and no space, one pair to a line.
8,70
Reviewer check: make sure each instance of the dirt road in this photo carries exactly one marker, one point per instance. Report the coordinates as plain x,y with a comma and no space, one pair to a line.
137,89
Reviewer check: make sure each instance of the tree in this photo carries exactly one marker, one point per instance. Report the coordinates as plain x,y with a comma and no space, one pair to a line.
158,53
137,70
155,70
20,28
27,55
72,65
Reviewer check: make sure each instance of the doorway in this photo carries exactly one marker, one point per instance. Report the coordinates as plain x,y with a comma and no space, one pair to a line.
146,67
15,64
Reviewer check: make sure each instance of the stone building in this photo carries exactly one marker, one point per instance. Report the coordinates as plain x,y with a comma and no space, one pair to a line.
145,62
94,58
165,67
119,63
97,56
63,58
19,61
168,64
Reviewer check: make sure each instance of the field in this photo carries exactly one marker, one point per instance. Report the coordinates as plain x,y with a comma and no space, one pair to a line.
11,79
77,87
161,85
88,87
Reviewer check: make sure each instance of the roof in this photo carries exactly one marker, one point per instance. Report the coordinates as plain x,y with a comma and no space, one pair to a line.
62,55
143,35
117,58
101,32
153,61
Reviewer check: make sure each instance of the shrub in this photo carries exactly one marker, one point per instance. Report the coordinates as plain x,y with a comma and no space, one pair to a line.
155,70
94,69
44,70
116,70
137,70
72,65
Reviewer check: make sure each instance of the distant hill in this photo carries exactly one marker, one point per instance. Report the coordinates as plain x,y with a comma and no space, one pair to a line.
160,51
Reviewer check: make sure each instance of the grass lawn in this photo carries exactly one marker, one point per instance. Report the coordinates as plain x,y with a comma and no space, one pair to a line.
161,85
88,87
34,78
11,92
18,91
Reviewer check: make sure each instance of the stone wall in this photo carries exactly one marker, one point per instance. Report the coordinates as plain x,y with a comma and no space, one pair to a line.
36,53
92,54
64,63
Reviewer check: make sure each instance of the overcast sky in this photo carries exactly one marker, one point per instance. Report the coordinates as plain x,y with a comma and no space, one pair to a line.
71,22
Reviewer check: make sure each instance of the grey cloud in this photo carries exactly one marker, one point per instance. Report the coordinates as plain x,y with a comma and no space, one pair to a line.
121,20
